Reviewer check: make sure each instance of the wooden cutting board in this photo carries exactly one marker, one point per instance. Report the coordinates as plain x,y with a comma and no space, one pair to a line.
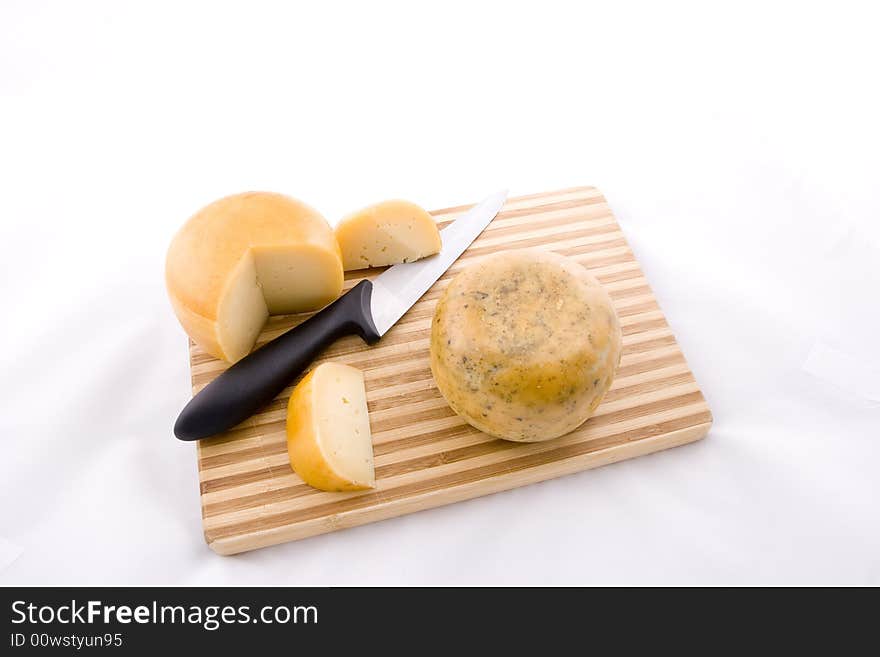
425,455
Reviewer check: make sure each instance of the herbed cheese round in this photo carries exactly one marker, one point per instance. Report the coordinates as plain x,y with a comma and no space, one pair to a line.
525,344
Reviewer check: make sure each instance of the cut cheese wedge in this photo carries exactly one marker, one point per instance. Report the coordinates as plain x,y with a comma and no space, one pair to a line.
328,429
385,234
243,258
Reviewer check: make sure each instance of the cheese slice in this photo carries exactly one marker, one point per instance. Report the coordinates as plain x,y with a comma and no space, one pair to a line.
385,234
328,429
243,258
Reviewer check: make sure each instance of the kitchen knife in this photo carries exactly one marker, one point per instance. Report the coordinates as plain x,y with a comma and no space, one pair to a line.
369,309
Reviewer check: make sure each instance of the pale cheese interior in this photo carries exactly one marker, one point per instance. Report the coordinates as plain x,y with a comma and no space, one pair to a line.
293,279
343,423
242,311
274,280
386,234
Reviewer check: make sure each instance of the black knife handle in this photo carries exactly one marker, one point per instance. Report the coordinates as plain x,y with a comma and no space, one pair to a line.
254,381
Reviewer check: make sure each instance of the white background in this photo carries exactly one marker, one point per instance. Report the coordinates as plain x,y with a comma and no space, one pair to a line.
738,146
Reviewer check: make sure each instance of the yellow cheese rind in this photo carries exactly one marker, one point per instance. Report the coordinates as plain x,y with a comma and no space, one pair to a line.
387,233
244,257
524,345
328,429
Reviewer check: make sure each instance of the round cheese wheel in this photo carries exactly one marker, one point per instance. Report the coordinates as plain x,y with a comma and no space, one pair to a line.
243,258
524,345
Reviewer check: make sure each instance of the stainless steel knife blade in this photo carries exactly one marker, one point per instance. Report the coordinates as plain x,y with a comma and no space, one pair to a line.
396,289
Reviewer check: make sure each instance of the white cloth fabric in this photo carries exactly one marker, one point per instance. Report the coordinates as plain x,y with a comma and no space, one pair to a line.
739,152
9,552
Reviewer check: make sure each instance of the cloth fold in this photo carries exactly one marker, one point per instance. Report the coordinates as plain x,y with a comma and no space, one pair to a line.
9,552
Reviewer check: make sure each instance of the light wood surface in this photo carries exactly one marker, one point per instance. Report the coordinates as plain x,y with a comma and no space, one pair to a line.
425,455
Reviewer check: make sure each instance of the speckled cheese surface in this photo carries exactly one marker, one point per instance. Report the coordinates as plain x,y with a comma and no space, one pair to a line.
524,345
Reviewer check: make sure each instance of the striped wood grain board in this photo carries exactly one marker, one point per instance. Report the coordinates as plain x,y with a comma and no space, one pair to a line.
425,455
